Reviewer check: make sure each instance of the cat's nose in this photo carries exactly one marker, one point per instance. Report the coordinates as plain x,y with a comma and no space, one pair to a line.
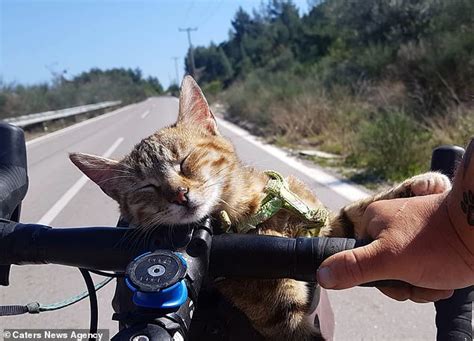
181,196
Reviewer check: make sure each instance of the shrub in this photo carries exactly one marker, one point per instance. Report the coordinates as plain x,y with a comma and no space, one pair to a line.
393,145
438,72
255,98
454,127
212,89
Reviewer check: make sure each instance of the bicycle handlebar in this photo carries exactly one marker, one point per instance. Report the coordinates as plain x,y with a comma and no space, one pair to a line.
106,248
257,256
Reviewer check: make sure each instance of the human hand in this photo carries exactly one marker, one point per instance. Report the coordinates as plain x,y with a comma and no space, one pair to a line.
425,241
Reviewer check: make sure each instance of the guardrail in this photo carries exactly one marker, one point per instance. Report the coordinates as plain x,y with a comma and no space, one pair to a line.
27,120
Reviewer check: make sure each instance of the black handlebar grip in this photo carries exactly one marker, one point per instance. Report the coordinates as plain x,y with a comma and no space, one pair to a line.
250,256
326,247
309,253
445,159
100,248
454,316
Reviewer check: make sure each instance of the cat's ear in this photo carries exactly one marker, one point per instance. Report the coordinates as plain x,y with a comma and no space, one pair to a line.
99,169
193,107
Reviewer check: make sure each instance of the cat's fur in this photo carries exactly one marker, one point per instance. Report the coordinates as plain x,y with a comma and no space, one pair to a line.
187,171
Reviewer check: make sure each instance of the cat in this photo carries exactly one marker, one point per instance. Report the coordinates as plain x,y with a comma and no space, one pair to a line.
188,171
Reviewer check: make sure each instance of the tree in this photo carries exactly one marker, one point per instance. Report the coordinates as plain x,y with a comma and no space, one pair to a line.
95,85
211,64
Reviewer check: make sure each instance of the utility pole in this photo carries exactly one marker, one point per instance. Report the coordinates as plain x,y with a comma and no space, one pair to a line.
176,69
191,53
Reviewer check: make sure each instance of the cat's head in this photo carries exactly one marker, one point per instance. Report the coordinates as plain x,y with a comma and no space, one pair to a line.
177,175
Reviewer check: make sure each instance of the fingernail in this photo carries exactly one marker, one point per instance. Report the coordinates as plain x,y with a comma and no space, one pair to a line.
325,278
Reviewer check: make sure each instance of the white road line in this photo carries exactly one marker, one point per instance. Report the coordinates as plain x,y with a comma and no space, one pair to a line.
145,114
53,212
341,187
77,125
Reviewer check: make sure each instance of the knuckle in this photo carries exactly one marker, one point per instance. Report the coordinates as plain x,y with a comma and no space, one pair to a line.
373,208
353,268
373,212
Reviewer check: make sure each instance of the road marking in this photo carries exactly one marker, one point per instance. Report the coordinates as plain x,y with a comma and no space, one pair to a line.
77,125
145,114
53,212
341,187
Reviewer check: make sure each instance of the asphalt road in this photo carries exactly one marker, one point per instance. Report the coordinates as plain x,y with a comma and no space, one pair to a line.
59,196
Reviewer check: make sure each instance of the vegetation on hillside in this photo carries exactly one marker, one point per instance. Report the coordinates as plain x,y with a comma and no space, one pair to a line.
380,82
88,87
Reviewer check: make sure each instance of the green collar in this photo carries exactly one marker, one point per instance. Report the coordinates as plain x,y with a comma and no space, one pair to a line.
279,196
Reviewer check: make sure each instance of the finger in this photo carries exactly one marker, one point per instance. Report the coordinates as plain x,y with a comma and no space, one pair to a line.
397,293
353,267
422,295
416,294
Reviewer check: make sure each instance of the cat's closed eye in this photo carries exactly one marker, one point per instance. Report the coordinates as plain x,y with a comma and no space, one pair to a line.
148,187
179,167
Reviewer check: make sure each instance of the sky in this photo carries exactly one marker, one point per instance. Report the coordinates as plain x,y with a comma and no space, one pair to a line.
39,38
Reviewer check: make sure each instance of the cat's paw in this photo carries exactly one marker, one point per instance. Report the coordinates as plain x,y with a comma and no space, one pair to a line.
429,183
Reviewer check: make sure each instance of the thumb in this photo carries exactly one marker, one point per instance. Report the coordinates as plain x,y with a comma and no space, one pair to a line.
353,267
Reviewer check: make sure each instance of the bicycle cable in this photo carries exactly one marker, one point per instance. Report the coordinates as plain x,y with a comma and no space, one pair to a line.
94,309
108,274
36,307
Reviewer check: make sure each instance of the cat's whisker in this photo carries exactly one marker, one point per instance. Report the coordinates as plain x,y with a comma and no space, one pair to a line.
138,238
214,184
217,180
224,168
229,207
154,223
141,232
115,178
212,175
231,210
131,238
156,218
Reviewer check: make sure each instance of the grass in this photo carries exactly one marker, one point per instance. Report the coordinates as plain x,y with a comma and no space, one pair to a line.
379,139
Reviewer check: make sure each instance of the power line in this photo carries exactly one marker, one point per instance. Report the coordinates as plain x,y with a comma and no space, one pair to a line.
191,52
188,10
210,14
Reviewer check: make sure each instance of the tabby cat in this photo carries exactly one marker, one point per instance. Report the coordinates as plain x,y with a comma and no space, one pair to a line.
187,171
